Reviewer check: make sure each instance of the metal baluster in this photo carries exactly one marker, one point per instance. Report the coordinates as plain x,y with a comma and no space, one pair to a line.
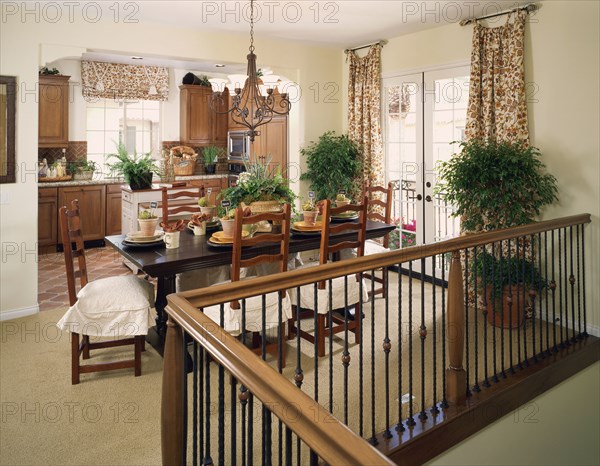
361,370
410,421
444,403
185,396
288,446
387,347
194,404
400,426
250,453
267,457
560,306
316,345
572,282
585,333
580,336
467,365
330,296
280,361
372,440
476,387
493,294
539,294
434,409
201,400
485,310
501,272
510,305
553,289
263,317
523,294
566,287
244,394
533,295
520,304
233,403
207,456
298,375
547,293
346,353
422,336
221,399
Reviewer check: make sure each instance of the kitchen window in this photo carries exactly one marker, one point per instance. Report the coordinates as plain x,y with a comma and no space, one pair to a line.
135,123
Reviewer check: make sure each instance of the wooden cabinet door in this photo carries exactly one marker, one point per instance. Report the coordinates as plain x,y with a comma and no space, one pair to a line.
220,121
53,118
275,143
195,119
215,184
113,210
92,207
47,217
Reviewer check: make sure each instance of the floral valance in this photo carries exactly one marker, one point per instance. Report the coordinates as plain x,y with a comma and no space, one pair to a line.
128,82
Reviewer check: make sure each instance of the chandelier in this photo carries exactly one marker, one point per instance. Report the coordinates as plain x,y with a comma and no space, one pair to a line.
253,103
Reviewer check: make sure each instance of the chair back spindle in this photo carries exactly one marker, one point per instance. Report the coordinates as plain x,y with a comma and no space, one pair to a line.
70,230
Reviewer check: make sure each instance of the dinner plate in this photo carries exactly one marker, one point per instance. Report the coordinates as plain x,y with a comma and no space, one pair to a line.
220,238
303,226
305,232
138,237
151,244
344,217
212,225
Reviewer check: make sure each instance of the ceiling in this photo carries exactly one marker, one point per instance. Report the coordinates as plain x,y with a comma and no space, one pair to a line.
341,23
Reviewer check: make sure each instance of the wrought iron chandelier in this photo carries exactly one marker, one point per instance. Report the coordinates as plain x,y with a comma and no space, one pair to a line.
253,104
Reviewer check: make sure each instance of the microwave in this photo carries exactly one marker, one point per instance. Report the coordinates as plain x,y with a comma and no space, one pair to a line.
238,146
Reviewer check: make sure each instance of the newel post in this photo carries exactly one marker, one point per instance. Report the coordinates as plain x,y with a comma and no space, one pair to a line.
172,402
456,379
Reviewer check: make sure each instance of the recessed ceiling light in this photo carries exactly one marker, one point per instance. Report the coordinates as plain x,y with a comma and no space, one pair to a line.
137,58
219,65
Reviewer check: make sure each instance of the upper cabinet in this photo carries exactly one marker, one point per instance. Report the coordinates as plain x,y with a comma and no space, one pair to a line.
53,125
199,124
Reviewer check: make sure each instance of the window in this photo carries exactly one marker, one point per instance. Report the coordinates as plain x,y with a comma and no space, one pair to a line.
135,123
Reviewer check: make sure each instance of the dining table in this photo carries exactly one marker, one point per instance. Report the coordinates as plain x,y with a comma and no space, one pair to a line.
195,252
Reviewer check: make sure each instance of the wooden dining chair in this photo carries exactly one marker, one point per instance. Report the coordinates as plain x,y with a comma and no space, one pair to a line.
334,324
109,307
176,203
380,209
250,316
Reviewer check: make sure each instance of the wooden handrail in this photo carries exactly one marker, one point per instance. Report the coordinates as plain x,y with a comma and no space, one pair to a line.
222,293
324,434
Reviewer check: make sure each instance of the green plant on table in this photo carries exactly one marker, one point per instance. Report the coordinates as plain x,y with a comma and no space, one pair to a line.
136,169
309,206
496,184
333,164
146,215
259,182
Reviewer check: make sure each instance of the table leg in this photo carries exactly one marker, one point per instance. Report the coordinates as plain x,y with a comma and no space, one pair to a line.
156,335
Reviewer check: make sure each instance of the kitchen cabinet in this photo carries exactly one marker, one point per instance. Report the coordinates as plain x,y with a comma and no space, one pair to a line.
199,124
215,184
92,205
53,118
113,209
272,142
47,217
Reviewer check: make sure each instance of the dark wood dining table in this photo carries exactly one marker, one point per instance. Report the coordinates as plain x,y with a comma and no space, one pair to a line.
194,252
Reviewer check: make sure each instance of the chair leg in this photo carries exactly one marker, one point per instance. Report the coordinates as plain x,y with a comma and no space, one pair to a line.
74,358
143,344
291,332
137,365
86,346
321,335
357,316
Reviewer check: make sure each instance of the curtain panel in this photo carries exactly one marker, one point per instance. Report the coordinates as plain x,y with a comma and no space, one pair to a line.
364,113
126,82
497,99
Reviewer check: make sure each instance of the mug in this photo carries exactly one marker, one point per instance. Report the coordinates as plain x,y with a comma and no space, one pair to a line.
200,230
251,228
171,239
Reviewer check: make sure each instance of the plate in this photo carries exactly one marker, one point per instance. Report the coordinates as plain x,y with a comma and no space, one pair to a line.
303,226
344,217
220,238
137,237
306,232
131,244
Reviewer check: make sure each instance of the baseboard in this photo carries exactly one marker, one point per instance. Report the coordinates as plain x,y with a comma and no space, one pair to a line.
16,313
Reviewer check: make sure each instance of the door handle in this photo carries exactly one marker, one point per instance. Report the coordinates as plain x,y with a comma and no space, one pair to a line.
419,197
428,198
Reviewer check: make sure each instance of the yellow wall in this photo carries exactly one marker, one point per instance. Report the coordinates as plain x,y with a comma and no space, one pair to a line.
29,44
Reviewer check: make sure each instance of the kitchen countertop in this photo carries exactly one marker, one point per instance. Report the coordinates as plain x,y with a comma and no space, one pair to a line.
94,181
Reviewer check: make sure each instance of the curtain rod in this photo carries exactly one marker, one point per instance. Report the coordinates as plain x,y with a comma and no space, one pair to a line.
381,42
530,7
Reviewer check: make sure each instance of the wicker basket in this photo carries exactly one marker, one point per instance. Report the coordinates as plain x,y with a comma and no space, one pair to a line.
184,167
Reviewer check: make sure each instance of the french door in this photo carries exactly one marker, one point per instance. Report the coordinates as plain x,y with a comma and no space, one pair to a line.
424,119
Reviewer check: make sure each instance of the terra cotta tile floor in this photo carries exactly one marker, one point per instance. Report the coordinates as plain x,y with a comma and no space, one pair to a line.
52,277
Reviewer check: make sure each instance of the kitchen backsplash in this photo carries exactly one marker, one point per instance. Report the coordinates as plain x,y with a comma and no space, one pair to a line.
76,151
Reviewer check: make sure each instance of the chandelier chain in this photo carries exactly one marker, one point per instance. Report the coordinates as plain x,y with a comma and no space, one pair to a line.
251,26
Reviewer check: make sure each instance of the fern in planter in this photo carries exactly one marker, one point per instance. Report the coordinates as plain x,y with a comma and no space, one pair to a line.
333,164
136,169
496,184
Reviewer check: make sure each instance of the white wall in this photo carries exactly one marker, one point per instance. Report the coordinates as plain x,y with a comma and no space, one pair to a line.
43,42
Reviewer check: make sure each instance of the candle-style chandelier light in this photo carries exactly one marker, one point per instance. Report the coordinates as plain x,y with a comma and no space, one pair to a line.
253,103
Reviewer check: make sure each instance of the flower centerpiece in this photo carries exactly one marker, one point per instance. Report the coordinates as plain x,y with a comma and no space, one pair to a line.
261,187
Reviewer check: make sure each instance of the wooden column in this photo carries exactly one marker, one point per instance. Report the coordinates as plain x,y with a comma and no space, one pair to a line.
456,378
172,404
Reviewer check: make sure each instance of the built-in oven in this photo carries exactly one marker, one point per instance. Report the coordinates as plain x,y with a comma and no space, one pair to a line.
238,146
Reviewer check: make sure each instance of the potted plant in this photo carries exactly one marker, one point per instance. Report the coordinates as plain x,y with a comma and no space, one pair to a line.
83,170
507,282
333,164
310,212
496,184
148,222
136,169
211,156
341,200
206,207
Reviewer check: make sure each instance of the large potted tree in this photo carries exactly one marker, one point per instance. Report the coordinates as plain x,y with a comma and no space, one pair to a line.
495,185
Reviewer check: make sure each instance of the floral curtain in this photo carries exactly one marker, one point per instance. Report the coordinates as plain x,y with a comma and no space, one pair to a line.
497,101
128,82
364,113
